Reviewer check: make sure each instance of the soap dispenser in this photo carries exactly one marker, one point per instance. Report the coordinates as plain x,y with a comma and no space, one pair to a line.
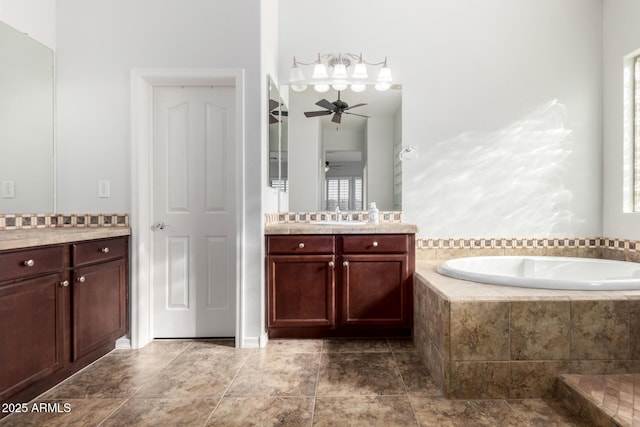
374,216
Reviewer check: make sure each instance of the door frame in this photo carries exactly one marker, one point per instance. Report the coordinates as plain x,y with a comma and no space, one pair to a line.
142,83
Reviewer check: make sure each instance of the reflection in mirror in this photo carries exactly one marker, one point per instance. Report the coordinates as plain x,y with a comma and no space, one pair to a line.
278,119
345,158
26,124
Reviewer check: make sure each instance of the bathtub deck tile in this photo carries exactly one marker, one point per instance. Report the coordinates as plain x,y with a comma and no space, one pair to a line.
600,336
540,330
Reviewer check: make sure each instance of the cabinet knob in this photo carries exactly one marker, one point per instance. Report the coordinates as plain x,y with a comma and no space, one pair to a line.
301,245
345,264
81,279
375,244
64,284
104,250
331,264
29,263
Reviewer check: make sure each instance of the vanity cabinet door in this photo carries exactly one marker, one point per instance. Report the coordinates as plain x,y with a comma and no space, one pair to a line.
376,290
31,331
301,291
99,305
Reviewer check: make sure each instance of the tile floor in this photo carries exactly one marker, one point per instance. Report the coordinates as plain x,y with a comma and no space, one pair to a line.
288,383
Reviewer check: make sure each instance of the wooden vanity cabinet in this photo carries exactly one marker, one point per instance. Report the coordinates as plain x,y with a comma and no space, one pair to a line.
377,288
301,284
340,285
99,294
32,303
61,308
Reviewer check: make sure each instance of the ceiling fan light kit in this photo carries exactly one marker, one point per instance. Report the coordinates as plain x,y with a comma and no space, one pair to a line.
340,64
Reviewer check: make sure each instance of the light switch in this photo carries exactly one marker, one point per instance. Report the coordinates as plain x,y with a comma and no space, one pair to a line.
104,189
8,189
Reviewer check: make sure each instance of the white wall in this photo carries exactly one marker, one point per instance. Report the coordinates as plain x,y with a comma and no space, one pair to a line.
502,98
621,38
34,17
98,43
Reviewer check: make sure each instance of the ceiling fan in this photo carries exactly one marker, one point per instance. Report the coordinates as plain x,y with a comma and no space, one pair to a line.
337,108
274,111
328,166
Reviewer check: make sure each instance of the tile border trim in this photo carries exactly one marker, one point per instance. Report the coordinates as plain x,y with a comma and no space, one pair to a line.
531,243
386,217
38,221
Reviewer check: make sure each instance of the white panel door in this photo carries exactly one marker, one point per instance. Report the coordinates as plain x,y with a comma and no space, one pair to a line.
194,239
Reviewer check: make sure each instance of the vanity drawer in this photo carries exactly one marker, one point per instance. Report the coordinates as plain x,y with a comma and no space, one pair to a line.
375,243
31,262
301,244
98,250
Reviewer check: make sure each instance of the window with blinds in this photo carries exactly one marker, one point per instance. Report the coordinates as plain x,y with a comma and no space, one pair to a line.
636,131
345,192
280,184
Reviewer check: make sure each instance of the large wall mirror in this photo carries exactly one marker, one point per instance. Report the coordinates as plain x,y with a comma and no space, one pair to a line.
278,145
349,163
26,124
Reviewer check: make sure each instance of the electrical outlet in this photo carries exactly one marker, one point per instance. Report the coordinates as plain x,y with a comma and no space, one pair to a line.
8,189
104,189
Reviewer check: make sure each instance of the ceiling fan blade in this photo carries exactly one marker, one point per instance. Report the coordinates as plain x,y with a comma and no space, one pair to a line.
325,104
317,113
336,118
354,106
272,119
354,114
273,104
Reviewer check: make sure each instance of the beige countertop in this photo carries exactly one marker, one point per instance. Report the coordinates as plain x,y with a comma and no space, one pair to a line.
26,238
340,228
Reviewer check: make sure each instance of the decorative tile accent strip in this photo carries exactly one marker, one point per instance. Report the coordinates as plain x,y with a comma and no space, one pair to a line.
525,243
27,221
306,217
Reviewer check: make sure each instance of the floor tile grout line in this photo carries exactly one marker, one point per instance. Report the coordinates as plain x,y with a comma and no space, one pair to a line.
128,399
224,394
404,384
315,391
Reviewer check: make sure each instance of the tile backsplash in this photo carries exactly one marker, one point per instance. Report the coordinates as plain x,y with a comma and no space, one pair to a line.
307,217
27,221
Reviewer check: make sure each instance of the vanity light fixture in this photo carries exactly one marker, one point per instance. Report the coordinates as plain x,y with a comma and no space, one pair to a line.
339,78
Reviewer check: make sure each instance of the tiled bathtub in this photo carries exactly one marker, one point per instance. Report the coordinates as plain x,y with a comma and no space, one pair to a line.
483,341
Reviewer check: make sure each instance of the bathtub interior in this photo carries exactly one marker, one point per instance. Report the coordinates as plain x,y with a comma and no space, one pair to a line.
546,272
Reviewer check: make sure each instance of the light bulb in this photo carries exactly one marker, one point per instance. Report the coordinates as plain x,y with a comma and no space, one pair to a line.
296,74
382,86
339,85
299,88
339,71
358,87
384,75
321,87
360,71
320,71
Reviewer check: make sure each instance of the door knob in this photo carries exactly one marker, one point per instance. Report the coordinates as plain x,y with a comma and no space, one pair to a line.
160,225
81,279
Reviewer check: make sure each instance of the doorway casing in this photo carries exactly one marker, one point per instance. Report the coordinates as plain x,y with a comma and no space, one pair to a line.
142,83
